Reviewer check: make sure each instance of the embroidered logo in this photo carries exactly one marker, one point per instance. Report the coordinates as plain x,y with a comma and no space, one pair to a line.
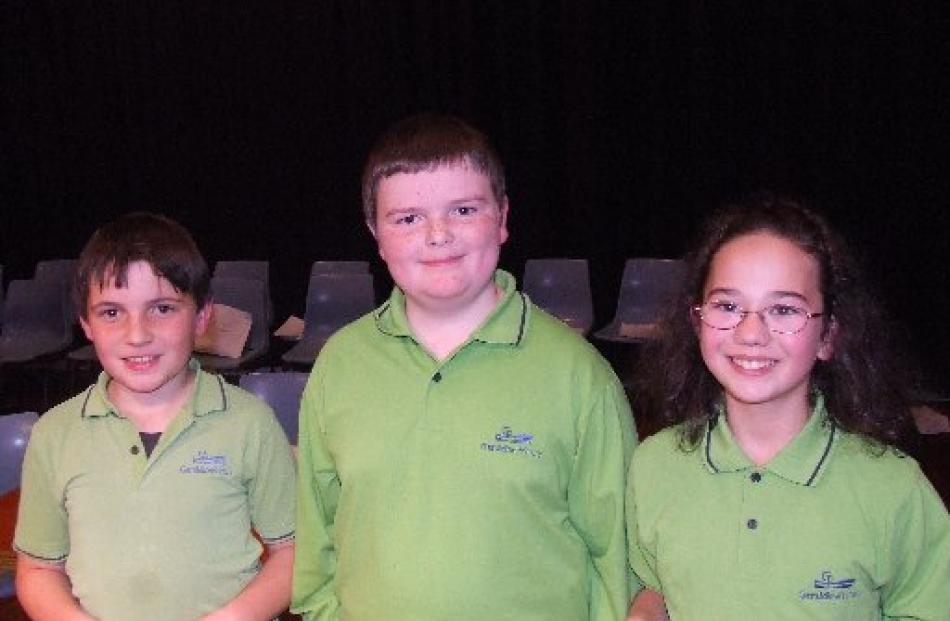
828,588
203,463
506,441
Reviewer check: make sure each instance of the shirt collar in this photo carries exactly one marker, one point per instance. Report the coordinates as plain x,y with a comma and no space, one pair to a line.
209,395
506,325
803,461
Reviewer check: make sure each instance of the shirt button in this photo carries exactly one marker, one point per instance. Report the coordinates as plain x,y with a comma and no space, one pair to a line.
756,477
752,524
134,450
437,377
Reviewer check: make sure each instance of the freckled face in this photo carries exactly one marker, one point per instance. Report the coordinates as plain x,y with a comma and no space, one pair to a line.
440,232
143,333
754,365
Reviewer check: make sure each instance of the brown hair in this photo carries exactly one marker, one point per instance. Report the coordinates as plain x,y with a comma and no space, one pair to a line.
159,241
424,142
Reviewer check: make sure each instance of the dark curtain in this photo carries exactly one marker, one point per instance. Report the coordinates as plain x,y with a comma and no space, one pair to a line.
621,124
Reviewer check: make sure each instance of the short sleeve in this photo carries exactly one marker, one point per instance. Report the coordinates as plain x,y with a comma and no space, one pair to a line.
42,529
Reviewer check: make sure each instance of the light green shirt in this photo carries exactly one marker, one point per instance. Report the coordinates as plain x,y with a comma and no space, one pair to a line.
166,537
488,486
826,530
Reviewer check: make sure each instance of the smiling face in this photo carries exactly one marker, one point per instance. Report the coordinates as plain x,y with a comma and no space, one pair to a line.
757,367
143,333
440,232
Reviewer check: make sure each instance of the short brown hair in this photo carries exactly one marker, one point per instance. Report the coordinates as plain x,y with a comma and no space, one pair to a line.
159,241
424,142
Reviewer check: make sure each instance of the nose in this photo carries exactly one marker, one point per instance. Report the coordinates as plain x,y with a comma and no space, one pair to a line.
137,330
752,329
439,233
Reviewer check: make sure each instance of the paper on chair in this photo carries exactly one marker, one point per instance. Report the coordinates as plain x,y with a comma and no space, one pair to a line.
227,332
290,329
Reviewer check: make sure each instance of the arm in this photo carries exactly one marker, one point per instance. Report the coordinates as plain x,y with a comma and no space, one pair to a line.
45,593
596,500
648,605
267,595
318,490
917,557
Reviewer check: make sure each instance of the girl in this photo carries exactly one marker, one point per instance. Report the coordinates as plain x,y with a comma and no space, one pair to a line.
776,492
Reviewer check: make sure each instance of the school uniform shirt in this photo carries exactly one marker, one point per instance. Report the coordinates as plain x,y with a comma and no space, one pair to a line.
485,486
165,536
831,528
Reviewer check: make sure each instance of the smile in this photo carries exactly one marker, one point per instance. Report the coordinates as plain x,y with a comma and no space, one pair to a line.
753,364
441,262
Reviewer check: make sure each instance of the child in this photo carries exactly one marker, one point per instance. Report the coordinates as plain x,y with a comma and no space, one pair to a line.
462,454
778,494
140,493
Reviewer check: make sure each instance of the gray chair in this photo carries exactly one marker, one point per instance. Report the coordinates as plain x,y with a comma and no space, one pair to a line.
14,436
62,272
562,288
251,270
282,392
646,290
333,300
249,296
339,267
35,321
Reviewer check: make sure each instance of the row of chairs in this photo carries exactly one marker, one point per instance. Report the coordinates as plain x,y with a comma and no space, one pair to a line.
40,318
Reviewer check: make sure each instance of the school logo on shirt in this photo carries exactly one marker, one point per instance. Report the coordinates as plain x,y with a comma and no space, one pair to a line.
827,587
203,463
508,442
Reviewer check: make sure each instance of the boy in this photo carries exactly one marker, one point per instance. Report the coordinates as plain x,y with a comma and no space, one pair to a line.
462,453
139,494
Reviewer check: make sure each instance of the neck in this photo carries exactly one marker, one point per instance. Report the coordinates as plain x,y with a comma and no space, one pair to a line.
152,412
443,330
763,430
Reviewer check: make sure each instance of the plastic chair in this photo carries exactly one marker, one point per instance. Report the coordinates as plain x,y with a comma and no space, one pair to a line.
249,296
62,272
562,288
339,267
35,322
14,435
251,270
282,392
333,300
645,291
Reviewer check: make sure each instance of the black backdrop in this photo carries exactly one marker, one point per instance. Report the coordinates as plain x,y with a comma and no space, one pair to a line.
621,123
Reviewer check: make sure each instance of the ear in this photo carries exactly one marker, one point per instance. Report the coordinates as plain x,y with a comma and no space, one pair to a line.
86,328
503,221
203,317
827,346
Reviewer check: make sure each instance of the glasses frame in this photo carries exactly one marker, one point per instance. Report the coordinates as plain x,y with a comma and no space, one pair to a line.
698,310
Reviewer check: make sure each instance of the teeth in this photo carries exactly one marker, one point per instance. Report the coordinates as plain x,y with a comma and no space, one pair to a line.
140,359
752,365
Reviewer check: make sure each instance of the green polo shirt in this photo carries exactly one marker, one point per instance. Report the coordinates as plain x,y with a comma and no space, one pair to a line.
828,529
485,486
166,537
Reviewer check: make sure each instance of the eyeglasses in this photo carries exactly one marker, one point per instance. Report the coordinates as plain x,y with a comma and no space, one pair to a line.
779,318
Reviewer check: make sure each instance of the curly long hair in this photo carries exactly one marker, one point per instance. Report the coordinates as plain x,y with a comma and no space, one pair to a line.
864,382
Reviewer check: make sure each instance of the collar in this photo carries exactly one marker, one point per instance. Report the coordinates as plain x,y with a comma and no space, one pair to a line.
209,395
506,325
803,461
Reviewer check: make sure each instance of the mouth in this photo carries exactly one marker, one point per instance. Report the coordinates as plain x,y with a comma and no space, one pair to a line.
442,262
753,364
140,363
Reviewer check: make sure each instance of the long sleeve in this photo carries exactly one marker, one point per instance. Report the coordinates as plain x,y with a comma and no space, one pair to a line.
596,501
318,491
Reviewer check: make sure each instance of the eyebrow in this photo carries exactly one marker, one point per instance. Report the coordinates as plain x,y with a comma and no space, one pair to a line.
152,301
772,294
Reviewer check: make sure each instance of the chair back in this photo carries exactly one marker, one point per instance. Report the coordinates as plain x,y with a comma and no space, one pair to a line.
282,392
334,300
562,288
249,296
250,270
647,288
63,273
339,267
14,436
35,320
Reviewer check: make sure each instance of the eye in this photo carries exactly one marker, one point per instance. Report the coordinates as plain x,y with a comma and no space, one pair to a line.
407,219
724,306
785,310
164,309
108,313
466,210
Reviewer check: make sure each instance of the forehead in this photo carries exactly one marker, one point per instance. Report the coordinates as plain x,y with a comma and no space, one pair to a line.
763,263
443,183
140,280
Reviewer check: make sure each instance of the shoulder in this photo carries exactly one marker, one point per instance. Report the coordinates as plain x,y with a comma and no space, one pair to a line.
878,469
64,415
553,340
661,449
356,335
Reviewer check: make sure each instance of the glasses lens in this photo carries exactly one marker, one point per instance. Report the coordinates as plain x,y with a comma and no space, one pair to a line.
720,316
785,319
